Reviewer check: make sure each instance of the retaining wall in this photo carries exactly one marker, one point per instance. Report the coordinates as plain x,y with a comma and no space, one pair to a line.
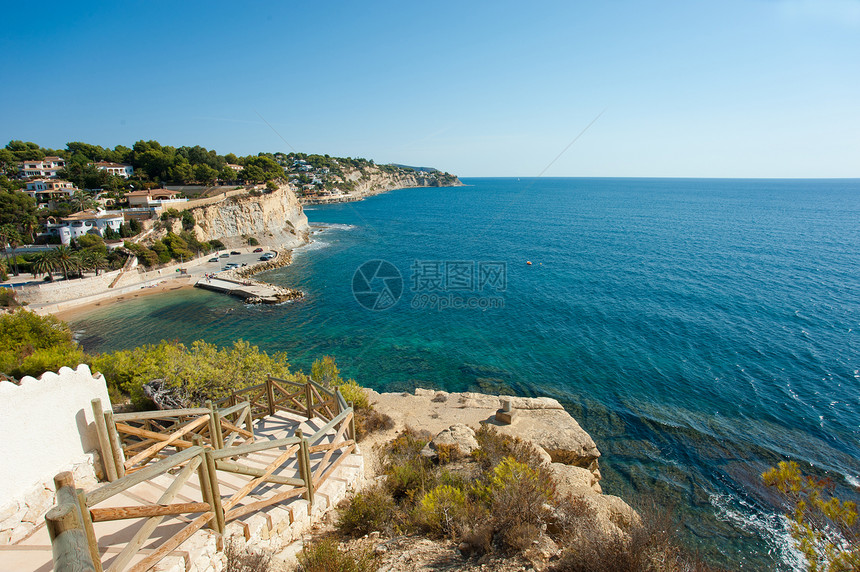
47,426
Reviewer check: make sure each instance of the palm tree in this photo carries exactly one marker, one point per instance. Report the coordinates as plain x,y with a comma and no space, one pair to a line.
43,263
66,259
9,238
92,260
81,201
29,226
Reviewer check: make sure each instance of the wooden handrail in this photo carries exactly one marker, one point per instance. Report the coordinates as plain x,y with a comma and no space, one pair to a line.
322,388
144,474
234,409
142,415
317,437
279,380
185,430
254,447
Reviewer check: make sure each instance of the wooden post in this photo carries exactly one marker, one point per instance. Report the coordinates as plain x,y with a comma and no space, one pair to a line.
305,467
214,426
69,544
92,541
205,484
68,541
116,445
351,430
215,491
249,422
270,395
309,396
104,440
220,432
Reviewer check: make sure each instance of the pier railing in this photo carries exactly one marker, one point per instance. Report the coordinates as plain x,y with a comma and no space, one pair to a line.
204,441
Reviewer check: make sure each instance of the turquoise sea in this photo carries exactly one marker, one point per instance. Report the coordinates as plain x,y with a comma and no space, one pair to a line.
699,330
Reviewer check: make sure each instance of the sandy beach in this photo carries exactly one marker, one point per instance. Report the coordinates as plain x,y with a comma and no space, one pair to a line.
170,285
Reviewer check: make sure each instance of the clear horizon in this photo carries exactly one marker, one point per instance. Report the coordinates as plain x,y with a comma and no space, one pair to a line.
761,89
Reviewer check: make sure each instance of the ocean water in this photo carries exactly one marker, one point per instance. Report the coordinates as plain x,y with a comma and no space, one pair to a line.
699,330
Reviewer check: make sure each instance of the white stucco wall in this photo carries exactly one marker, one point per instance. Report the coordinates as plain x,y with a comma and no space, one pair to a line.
47,424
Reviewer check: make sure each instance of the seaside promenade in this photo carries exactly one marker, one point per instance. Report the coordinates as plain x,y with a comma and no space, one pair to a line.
94,292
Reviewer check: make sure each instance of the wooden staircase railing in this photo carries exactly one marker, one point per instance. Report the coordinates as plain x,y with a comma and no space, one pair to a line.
138,447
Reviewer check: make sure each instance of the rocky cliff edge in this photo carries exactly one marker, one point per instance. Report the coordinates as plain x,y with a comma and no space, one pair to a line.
275,218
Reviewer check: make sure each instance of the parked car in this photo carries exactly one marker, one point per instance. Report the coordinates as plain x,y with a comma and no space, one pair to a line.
258,250
215,259
225,255
235,252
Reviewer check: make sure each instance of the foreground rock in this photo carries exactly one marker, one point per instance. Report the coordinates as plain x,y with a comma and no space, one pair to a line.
541,420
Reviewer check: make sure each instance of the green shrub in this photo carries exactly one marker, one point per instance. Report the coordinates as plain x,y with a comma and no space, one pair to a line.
253,241
367,511
517,497
354,393
188,221
31,344
48,359
197,372
325,556
443,510
8,298
825,529
495,447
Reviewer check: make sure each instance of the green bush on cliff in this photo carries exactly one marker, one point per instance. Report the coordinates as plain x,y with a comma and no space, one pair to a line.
825,529
443,509
197,372
31,344
325,372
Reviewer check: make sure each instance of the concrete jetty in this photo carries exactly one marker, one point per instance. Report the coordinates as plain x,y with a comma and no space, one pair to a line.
237,282
241,288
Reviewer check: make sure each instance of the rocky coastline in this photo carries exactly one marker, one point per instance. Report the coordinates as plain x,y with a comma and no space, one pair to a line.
568,453
378,183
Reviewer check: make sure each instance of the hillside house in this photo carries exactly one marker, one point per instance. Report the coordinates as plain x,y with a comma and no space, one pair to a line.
154,198
118,169
44,168
45,190
84,222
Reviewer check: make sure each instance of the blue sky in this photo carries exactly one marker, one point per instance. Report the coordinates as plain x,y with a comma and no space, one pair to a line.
760,88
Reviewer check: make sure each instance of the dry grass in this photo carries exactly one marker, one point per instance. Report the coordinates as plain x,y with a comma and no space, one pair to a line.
325,556
650,547
372,509
244,560
370,420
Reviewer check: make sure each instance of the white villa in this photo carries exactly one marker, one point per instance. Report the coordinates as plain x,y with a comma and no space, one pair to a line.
154,198
79,224
46,167
124,171
44,190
